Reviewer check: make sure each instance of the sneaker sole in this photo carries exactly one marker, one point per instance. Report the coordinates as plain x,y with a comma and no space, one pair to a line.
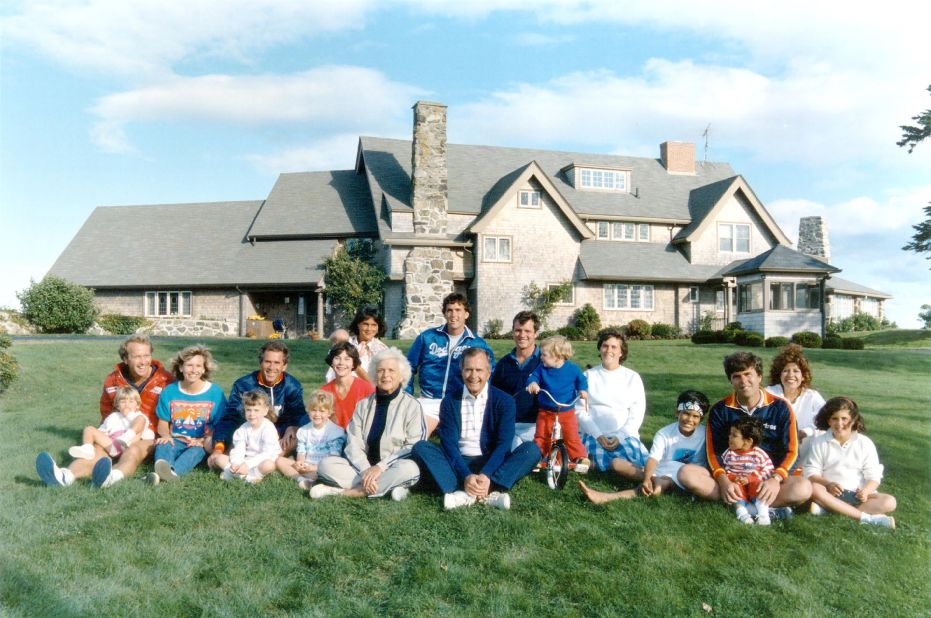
45,468
164,471
101,471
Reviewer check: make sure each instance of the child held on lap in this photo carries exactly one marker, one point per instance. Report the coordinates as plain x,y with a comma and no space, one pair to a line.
315,440
844,467
255,443
673,446
564,381
747,465
120,429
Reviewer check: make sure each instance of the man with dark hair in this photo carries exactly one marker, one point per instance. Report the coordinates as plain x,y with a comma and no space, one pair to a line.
474,461
780,440
284,391
436,354
136,369
512,370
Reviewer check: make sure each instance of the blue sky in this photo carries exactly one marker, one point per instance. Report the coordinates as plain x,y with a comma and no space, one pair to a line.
110,102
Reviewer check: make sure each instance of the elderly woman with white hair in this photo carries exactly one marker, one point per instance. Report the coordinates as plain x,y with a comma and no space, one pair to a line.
384,428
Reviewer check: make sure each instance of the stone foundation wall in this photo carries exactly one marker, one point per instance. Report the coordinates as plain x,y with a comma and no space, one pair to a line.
180,327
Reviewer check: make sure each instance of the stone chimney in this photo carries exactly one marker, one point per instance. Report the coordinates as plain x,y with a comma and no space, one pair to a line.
429,172
678,157
813,238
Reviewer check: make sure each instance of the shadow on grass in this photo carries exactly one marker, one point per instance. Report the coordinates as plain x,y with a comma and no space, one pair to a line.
23,588
62,432
19,479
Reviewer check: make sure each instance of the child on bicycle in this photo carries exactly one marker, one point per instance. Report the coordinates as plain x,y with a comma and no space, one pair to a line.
748,466
558,384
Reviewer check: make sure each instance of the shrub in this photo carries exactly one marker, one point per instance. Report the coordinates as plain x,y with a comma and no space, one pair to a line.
587,320
776,342
833,342
704,336
571,332
734,326
639,329
748,338
807,339
665,331
493,329
55,305
120,324
8,369
5,341
853,343
353,277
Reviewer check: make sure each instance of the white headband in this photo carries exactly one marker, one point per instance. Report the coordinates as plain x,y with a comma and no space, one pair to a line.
691,406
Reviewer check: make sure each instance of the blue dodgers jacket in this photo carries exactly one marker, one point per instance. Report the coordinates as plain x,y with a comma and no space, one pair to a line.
496,436
286,395
512,378
441,372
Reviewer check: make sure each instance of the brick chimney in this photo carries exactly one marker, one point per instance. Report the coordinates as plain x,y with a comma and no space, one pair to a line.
429,176
678,157
813,238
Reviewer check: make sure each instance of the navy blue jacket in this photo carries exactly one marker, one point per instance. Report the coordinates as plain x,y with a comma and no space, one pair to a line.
496,436
512,379
287,397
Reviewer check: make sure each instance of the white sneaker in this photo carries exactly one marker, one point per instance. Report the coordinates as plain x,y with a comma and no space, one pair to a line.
816,509
50,473
164,470
582,465
152,478
227,474
763,520
254,476
743,516
457,499
126,439
400,494
113,478
885,521
322,491
85,451
499,500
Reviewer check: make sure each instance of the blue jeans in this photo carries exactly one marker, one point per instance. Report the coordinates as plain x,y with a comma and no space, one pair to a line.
517,464
183,458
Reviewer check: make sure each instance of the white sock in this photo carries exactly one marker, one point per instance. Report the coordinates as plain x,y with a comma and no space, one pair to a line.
115,476
113,450
866,518
67,476
762,509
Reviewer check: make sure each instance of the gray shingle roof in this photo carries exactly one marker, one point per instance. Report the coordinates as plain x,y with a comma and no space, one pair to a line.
474,172
701,201
317,204
780,259
836,284
184,245
640,261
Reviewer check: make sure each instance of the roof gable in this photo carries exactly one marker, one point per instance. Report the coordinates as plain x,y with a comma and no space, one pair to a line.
507,187
706,201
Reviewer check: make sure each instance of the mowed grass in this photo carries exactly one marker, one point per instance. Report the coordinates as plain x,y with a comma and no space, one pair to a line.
202,547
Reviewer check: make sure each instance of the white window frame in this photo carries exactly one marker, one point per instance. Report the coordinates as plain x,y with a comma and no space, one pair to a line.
531,196
600,179
498,242
641,228
693,294
623,297
720,299
570,302
603,229
182,298
732,237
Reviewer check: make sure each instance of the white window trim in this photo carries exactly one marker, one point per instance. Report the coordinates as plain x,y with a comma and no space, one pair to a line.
571,302
733,227
611,226
694,294
627,301
530,194
498,238
181,294
625,174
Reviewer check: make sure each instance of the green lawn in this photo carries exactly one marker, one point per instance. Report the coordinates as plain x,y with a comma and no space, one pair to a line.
202,547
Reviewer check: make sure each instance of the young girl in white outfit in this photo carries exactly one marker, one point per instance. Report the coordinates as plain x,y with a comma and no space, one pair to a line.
317,439
255,443
120,429
844,468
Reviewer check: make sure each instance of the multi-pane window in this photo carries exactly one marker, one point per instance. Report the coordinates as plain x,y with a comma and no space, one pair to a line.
644,232
168,304
612,180
628,296
529,199
623,230
602,229
734,237
693,294
497,249
719,301
750,297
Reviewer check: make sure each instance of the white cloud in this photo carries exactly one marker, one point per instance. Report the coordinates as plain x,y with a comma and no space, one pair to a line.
336,152
146,37
333,98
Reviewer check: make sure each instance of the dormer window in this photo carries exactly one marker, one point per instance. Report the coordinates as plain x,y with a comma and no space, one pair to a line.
590,178
622,230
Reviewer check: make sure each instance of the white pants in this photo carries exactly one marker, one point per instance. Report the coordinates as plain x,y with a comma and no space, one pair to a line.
339,472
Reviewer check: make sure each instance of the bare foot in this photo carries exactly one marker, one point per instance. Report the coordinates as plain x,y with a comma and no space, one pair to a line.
603,497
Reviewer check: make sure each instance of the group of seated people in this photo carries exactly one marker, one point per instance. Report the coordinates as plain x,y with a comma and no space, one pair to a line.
365,434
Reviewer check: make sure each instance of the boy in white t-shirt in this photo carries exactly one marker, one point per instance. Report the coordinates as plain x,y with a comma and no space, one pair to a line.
317,439
673,446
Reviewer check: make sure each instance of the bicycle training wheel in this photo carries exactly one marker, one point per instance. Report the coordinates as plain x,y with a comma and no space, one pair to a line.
557,466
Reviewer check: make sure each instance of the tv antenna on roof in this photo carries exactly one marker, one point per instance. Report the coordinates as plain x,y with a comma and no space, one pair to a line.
705,135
